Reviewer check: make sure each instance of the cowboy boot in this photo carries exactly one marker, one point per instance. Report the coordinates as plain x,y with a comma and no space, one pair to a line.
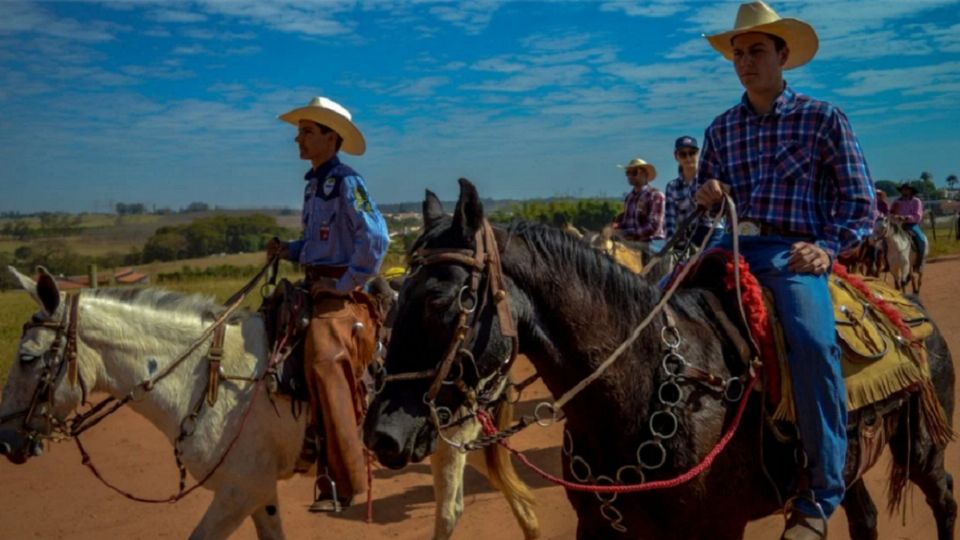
800,526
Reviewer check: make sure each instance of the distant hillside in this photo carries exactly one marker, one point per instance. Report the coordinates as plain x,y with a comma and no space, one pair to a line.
489,205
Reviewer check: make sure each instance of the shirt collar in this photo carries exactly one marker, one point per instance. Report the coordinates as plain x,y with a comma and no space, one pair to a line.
322,170
784,102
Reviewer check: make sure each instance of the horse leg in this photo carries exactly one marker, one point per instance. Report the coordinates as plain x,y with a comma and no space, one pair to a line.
522,507
926,470
266,519
447,464
861,512
230,506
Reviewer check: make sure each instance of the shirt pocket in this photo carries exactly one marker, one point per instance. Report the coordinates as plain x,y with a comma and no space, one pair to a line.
792,164
322,215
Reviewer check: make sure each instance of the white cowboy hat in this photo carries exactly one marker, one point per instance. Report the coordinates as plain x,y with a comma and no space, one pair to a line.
759,17
637,163
333,115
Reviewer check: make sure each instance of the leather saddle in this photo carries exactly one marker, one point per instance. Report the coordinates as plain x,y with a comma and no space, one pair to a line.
286,315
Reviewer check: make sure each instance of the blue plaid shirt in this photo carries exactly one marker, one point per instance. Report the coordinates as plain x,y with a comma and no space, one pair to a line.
798,168
680,204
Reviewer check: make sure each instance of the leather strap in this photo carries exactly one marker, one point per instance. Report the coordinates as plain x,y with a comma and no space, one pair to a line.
214,356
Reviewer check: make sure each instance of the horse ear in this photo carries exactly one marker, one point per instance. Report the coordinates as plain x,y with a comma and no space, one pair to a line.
469,213
25,282
432,209
47,291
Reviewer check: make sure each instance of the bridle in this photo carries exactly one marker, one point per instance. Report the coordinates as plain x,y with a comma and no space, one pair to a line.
62,354
482,262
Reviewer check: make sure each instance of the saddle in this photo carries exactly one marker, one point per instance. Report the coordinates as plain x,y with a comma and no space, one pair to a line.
286,315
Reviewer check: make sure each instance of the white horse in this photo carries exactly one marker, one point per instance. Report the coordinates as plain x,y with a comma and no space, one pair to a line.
902,257
127,336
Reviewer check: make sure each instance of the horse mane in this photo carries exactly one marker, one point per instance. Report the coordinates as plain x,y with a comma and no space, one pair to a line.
164,300
554,249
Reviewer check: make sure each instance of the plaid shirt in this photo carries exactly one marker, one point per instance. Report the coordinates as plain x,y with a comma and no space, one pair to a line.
643,214
798,168
680,204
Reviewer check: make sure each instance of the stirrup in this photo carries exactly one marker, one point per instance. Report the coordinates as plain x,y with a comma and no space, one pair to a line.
323,504
789,508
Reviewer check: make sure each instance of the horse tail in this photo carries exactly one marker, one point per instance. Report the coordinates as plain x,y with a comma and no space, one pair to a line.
504,477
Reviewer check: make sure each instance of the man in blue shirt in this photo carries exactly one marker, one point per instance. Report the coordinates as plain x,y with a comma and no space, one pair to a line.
680,193
803,191
344,242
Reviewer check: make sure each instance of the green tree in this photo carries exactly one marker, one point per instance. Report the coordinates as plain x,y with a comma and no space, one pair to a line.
952,181
887,186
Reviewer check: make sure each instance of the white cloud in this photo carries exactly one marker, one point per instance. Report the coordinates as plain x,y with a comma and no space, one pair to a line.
175,16
534,78
915,80
636,8
29,17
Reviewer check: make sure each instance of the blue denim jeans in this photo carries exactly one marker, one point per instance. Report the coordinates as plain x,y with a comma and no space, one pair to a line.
805,310
917,232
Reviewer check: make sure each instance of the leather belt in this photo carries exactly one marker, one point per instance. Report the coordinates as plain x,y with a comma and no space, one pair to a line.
318,272
759,228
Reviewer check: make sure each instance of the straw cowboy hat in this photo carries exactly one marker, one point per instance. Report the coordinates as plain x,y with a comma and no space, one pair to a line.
638,163
759,17
333,115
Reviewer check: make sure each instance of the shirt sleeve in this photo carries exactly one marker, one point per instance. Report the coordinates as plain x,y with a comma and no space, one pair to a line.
854,211
370,238
655,217
294,247
670,211
710,166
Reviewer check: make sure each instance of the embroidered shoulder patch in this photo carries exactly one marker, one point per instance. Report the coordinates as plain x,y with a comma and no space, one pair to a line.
328,186
361,199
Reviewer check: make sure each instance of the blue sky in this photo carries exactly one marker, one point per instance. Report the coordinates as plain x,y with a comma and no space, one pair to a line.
171,102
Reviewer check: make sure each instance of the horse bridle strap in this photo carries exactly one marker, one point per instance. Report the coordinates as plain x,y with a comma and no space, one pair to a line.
485,257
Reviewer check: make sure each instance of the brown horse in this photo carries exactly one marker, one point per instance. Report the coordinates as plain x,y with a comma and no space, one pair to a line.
571,308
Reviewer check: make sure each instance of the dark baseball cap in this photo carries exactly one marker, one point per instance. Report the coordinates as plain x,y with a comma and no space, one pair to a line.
685,142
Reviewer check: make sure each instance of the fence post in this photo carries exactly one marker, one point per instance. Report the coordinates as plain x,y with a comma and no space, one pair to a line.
92,275
933,225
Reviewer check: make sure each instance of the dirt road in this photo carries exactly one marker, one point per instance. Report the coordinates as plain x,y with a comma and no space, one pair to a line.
55,497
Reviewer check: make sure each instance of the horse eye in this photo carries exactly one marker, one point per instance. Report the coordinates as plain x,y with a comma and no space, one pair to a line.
28,358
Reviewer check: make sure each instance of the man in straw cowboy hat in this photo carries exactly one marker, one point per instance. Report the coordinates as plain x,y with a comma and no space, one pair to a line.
643,208
798,177
344,242
908,210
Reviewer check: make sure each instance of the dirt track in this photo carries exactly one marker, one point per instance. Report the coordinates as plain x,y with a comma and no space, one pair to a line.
55,497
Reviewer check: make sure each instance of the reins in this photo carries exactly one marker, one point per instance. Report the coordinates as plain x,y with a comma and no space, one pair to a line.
81,422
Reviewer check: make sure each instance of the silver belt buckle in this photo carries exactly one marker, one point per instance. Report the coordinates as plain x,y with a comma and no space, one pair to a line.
748,228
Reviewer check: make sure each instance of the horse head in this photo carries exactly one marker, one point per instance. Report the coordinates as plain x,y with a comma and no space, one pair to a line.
34,399
445,353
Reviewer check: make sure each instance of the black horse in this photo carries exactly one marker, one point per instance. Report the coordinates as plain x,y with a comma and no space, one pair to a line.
572,307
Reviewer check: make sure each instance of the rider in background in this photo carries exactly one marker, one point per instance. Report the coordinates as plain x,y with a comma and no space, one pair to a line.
883,209
795,170
908,211
344,242
643,209
680,193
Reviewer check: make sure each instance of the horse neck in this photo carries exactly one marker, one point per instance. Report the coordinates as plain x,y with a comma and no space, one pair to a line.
569,323
122,345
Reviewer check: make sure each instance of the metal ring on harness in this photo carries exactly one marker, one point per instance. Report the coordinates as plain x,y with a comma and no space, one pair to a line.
673,334
658,446
606,498
733,389
472,296
623,475
542,421
573,470
670,394
611,514
664,431
450,379
673,364
567,447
